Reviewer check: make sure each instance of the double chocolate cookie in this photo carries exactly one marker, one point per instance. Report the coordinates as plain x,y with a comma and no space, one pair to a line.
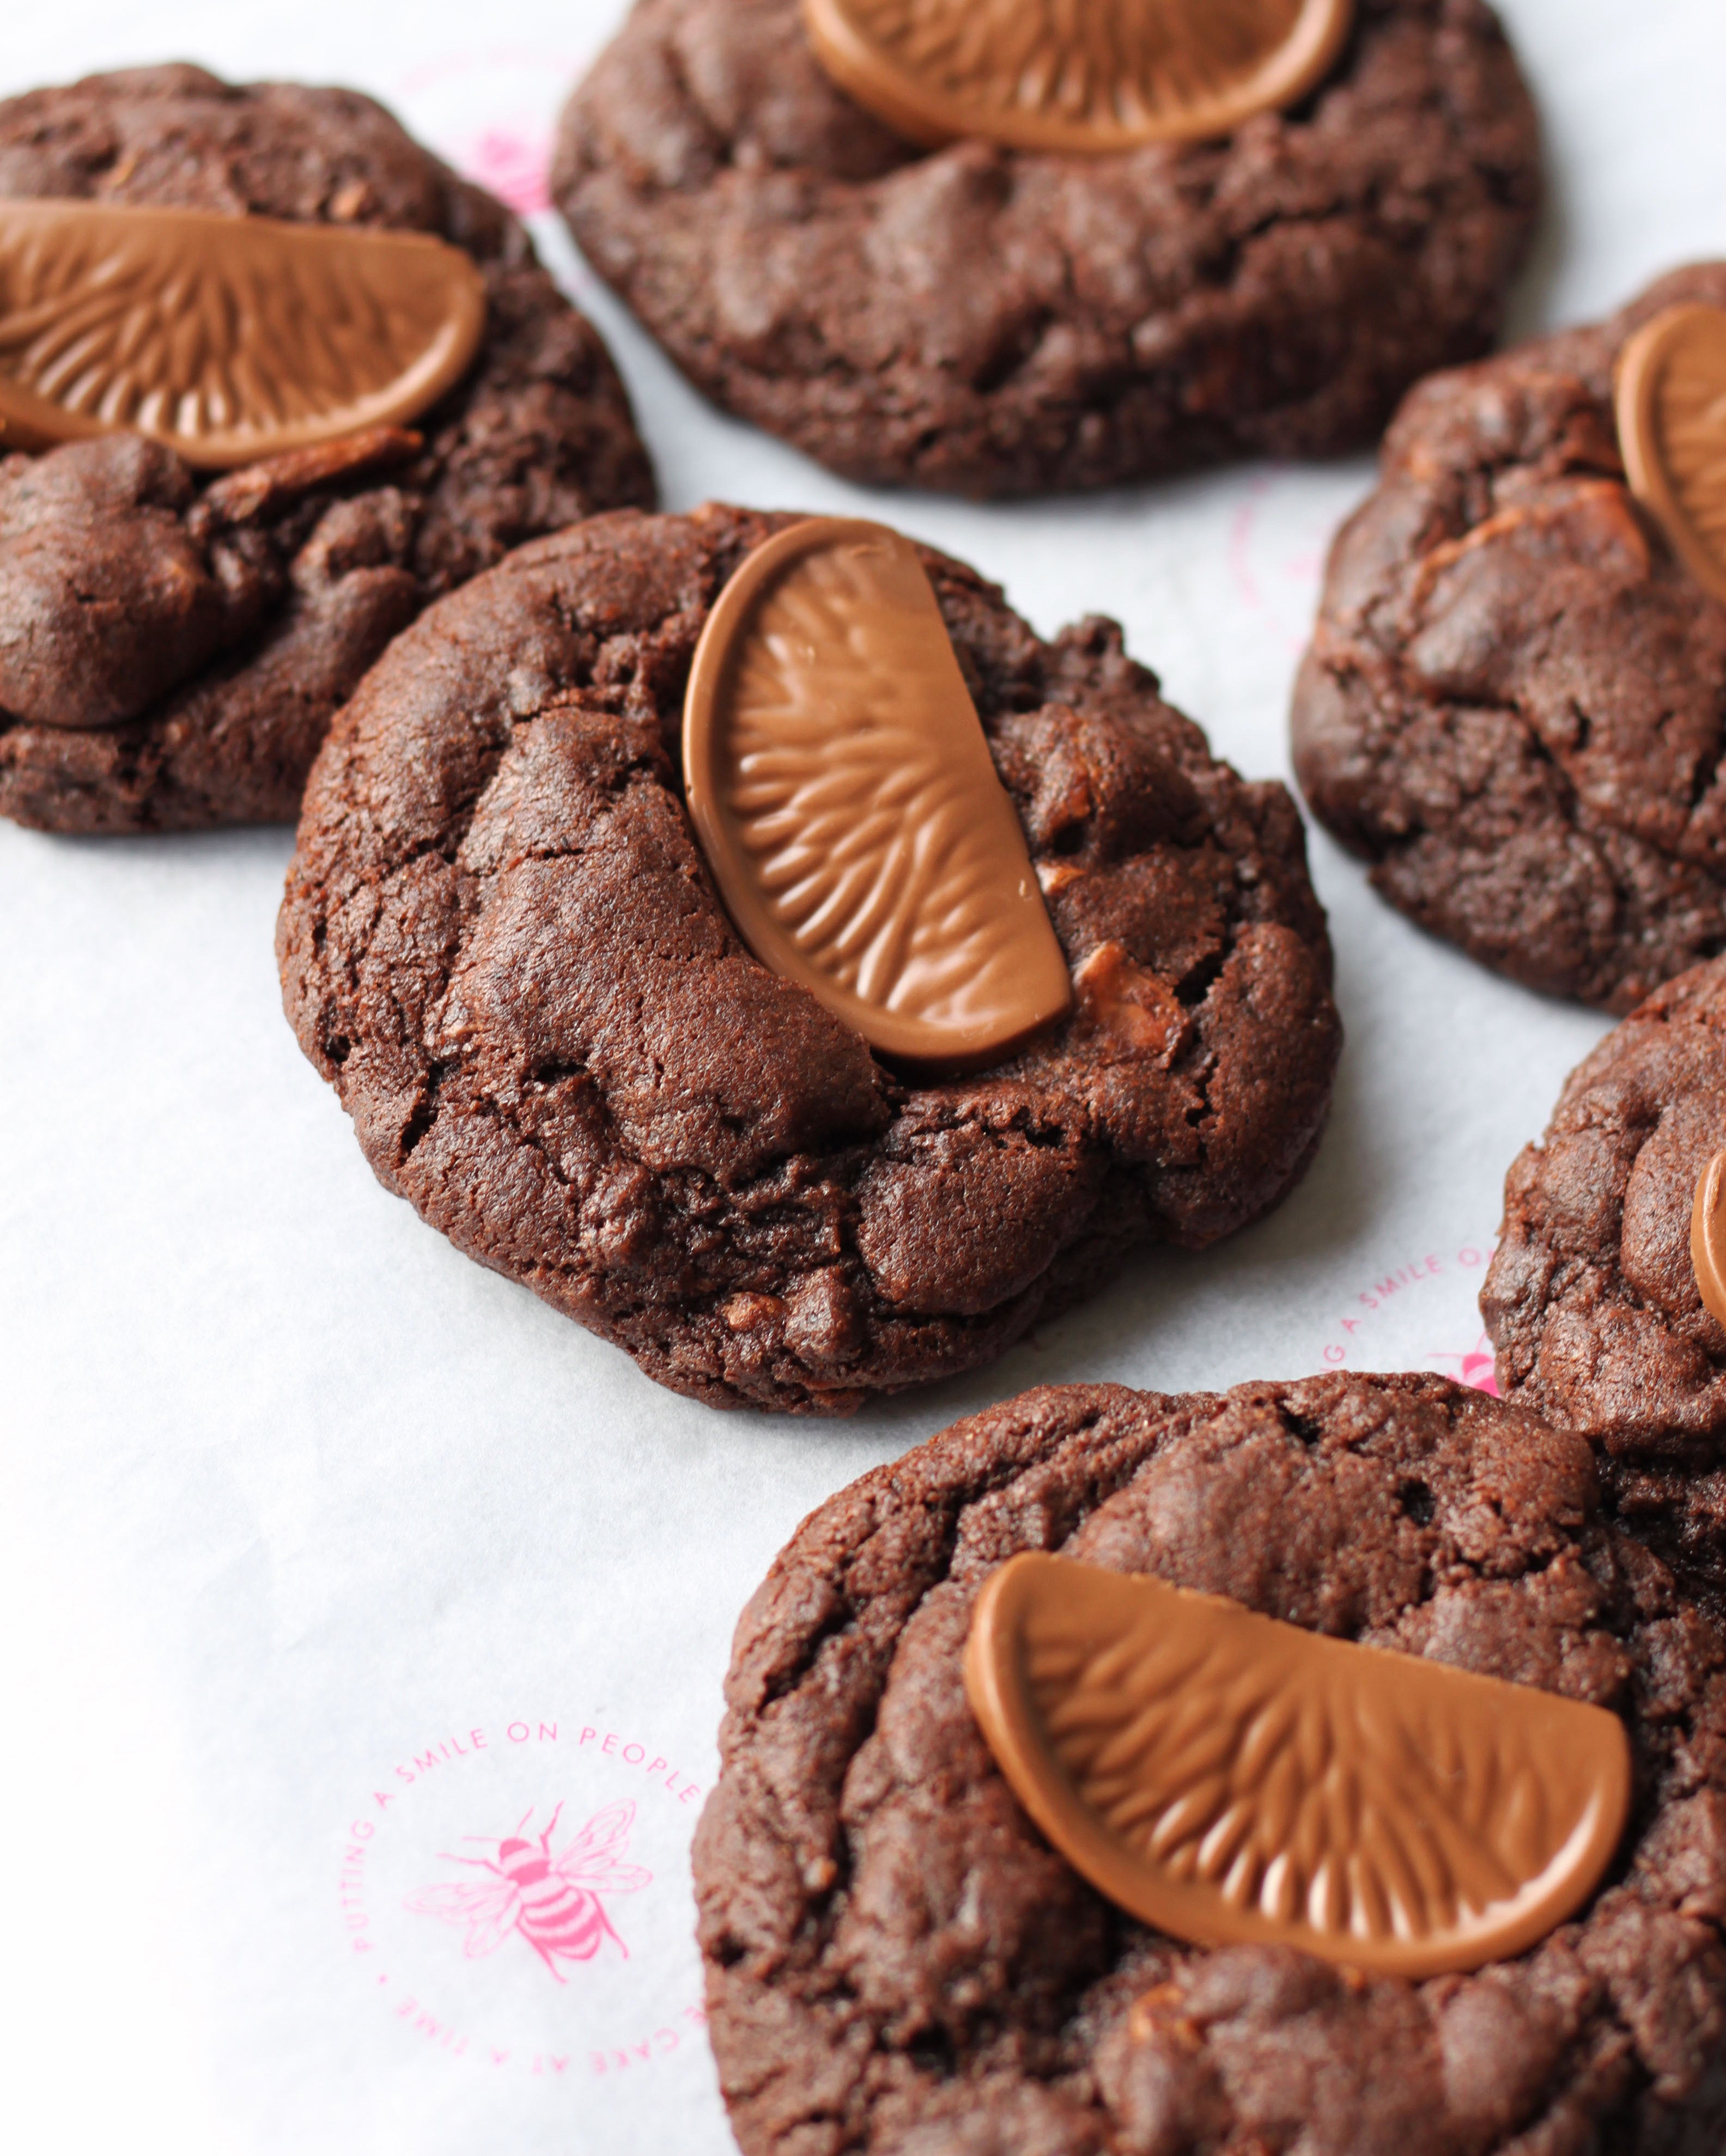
1003,320
502,942
172,648
897,1957
1513,702
1592,1298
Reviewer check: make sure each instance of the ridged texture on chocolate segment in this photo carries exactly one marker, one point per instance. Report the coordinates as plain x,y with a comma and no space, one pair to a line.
229,339
237,661
843,793
1591,1297
1000,322
897,1961
1514,700
1671,406
1043,75
1224,1777
501,943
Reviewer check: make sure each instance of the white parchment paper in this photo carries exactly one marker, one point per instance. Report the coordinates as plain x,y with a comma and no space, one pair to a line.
328,1559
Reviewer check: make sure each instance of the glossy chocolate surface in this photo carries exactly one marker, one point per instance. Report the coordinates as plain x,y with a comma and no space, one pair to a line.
230,339
1671,402
1046,74
1707,1237
845,797
1224,1776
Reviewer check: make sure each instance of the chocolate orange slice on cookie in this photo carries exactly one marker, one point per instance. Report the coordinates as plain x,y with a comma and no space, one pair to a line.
1707,1237
1369,1650
1671,400
228,338
843,791
1226,1776
769,1068
1097,75
1510,708
243,443
1013,247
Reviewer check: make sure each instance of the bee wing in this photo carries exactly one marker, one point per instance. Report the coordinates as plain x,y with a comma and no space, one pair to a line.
456,1904
491,1926
600,1873
591,1859
489,1911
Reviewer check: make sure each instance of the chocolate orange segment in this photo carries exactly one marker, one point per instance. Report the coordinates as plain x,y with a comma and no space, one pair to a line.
1075,75
1707,1237
1227,1778
842,790
1671,400
229,338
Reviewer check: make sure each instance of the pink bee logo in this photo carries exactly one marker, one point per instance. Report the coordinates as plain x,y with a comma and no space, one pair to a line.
553,1901
1474,1368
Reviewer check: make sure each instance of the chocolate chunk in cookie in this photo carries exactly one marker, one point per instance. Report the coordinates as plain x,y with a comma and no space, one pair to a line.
172,648
503,945
1592,1299
1513,702
897,1959
1000,321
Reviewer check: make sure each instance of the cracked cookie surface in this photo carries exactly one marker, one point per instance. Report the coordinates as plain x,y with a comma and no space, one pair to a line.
1514,700
896,1959
164,668
1591,1298
1000,322
501,944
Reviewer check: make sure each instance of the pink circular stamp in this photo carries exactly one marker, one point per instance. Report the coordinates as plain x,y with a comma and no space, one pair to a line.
515,1895
492,112
1414,1314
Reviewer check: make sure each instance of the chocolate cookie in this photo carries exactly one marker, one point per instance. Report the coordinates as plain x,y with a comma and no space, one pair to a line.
1591,1297
502,943
897,1959
1512,703
1001,321
172,652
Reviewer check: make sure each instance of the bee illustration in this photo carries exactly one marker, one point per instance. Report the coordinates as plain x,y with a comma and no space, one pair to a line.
553,1901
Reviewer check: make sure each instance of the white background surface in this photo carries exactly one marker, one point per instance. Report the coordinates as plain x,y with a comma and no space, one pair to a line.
294,1495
